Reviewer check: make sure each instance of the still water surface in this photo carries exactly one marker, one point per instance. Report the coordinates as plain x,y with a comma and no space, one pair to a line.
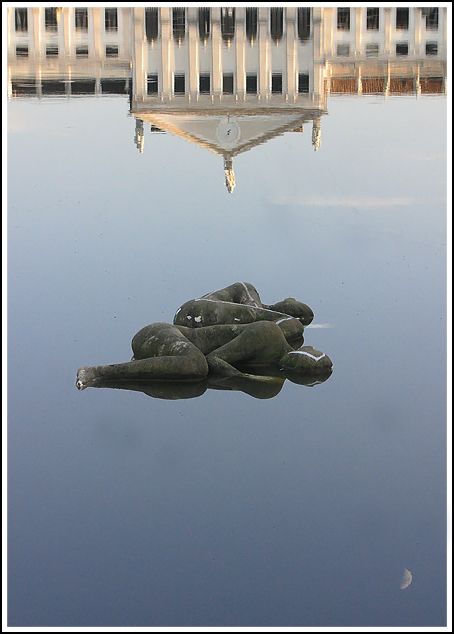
227,510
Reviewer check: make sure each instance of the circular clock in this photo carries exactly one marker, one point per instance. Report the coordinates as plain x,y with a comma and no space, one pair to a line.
228,131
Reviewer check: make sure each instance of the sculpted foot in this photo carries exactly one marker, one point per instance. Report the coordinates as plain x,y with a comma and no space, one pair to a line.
85,377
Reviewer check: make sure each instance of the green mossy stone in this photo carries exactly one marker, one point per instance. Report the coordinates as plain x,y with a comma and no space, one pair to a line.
307,359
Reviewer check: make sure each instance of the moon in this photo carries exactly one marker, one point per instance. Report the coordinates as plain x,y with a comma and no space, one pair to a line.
406,579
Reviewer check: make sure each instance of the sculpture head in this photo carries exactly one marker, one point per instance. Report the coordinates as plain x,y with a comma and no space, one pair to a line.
292,307
306,361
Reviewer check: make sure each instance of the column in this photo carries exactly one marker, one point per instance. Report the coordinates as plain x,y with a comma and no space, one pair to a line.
291,90
10,87
127,15
358,31
388,29
67,30
10,28
193,53
418,21
318,78
139,78
165,52
94,26
66,38
38,15
216,47
98,23
240,36
263,53
328,24
64,44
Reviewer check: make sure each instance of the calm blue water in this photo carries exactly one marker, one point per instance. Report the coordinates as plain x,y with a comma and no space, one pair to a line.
226,510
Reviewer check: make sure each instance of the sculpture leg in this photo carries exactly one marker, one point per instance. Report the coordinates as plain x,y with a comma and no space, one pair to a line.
186,367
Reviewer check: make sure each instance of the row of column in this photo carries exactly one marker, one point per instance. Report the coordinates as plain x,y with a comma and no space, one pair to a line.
66,36
389,32
166,43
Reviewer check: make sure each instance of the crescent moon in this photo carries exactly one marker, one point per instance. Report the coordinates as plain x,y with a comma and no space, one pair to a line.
406,579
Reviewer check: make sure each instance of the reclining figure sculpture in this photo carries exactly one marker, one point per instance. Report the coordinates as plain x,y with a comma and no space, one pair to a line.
223,333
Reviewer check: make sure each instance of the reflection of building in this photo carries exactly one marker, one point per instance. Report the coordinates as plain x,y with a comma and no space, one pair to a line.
67,52
228,79
387,50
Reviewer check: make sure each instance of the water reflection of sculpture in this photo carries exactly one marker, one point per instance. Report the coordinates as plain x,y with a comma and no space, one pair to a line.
219,336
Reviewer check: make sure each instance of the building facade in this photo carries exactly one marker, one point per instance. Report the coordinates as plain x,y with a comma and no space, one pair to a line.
68,51
250,54
226,78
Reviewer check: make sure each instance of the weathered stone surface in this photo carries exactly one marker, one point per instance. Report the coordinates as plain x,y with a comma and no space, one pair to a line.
240,304
291,306
222,334
206,312
238,293
307,360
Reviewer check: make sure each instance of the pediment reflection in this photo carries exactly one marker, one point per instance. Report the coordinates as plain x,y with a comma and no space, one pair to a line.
227,79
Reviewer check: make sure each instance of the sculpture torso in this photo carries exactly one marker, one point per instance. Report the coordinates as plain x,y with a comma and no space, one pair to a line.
216,334
240,304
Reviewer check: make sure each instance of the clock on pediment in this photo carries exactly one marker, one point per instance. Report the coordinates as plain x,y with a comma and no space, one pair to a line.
228,131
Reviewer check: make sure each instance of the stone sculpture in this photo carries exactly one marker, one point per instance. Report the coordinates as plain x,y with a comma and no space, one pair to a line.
222,335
